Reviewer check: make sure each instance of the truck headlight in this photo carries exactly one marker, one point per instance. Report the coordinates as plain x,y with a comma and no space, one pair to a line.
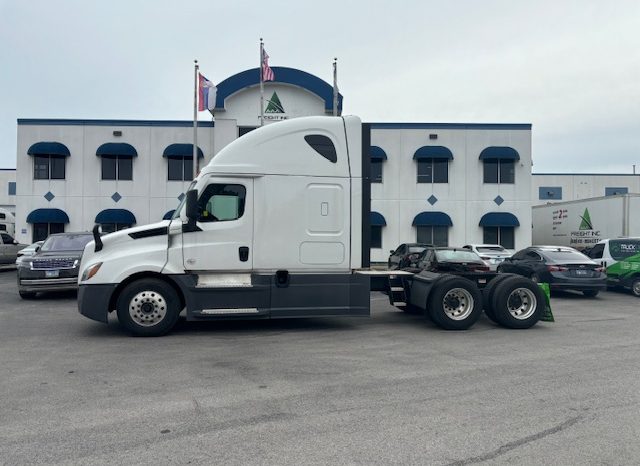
90,271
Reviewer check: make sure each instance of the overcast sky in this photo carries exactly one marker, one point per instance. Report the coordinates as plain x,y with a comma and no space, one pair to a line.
571,68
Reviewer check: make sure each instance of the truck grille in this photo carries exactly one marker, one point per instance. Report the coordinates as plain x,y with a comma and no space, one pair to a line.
60,263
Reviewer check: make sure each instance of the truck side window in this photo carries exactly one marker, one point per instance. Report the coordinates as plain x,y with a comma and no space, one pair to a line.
221,202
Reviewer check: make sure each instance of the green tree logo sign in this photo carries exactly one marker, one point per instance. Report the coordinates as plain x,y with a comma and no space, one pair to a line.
586,224
274,105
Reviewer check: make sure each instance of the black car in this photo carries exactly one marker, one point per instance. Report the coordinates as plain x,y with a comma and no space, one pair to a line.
450,260
563,268
54,266
405,254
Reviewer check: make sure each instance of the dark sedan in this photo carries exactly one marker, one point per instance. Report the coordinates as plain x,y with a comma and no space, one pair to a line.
405,254
562,268
54,266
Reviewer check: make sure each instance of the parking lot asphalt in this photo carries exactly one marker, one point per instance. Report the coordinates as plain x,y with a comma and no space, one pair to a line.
390,389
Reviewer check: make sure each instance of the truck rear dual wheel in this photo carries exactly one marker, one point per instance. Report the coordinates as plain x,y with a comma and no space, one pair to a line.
455,303
488,291
517,303
635,287
148,307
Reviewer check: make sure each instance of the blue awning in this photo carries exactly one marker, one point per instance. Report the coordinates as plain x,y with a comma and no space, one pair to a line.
377,220
503,153
48,216
424,219
433,152
116,216
168,215
376,153
499,219
181,151
57,149
121,149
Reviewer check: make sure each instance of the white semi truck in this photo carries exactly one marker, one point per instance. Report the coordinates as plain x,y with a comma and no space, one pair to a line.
277,226
583,223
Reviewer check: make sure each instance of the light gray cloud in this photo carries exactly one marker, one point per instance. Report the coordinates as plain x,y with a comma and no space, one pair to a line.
569,67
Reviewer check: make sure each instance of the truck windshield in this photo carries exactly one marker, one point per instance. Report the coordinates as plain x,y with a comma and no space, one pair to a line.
69,242
622,249
176,213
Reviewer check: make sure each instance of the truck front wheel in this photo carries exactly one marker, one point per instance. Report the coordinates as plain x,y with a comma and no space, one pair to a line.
455,303
518,303
148,307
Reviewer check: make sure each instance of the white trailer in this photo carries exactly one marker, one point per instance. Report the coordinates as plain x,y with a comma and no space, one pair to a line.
583,223
277,226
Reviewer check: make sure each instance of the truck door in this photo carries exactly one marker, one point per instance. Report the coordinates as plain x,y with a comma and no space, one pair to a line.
223,237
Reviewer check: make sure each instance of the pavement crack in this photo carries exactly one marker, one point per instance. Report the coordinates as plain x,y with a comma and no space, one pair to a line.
517,443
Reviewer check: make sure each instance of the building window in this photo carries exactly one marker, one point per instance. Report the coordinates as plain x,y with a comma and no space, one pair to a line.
615,191
180,168
111,227
12,188
433,170
436,235
376,236
47,167
242,130
42,230
499,171
376,171
505,236
117,168
554,193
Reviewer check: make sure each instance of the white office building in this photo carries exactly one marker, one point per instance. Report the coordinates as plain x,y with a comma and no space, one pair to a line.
432,182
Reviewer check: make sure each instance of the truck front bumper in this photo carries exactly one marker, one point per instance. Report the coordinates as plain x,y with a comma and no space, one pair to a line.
93,301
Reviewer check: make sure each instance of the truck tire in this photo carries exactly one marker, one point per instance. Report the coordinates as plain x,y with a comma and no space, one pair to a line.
488,291
27,294
455,303
148,307
518,303
635,287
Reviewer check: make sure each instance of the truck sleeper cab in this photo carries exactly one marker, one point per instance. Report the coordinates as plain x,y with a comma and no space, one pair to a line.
271,227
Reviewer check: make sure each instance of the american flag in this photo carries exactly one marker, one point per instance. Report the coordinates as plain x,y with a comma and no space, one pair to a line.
267,72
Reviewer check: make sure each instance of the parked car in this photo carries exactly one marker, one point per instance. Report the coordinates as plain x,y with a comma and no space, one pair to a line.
449,260
28,251
620,257
405,254
9,248
491,254
54,266
561,267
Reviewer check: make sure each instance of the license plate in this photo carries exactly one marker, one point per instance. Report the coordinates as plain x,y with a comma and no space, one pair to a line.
51,273
581,272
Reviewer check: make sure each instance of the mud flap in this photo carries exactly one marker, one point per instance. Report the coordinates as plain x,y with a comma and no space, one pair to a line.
547,315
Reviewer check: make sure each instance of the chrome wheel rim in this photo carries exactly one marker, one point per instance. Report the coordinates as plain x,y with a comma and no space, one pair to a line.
457,304
147,308
636,288
522,303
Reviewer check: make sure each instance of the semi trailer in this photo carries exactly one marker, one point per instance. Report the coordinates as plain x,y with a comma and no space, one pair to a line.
277,226
583,223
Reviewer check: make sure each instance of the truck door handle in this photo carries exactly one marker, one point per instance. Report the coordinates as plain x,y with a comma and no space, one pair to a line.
243,253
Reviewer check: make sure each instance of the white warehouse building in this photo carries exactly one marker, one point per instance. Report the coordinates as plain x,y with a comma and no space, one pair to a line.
447,184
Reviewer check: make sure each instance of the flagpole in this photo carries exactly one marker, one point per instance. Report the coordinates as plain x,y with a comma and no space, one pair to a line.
335,86
261,83
195,119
